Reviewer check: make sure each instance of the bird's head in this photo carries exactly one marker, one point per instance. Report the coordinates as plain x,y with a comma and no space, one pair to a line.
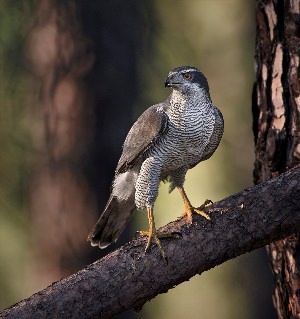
187,79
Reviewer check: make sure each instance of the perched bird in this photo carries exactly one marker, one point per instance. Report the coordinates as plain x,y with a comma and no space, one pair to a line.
166,141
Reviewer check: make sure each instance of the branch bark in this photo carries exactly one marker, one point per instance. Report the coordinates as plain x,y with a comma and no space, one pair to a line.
127,278
276,124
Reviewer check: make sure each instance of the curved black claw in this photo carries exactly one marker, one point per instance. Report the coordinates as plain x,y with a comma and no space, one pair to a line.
207,202
176,233
137,234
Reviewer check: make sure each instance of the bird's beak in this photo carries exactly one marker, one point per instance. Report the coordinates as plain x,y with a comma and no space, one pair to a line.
172,82
167,83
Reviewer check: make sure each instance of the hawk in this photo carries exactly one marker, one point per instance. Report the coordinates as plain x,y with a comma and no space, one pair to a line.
166,141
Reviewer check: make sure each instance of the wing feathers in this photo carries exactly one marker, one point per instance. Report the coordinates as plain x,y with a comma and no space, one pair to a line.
148,127
121,206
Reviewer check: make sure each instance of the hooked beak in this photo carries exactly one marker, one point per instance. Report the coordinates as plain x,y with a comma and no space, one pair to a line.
170,83
167,83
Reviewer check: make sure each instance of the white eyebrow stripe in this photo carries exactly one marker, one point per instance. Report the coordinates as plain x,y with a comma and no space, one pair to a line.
183,71
171,73
190,70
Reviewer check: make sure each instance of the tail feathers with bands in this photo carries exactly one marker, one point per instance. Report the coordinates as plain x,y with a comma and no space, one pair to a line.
112,221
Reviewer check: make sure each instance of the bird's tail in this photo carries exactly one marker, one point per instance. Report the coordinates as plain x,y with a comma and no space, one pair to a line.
112,221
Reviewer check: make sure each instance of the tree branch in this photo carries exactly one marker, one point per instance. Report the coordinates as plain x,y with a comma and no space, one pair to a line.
128,278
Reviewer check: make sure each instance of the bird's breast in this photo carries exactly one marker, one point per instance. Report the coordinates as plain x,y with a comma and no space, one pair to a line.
186,140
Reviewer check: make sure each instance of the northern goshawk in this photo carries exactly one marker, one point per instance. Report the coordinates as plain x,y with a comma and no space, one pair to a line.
166,141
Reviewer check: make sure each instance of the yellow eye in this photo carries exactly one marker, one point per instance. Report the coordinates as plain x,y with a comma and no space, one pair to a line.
187,76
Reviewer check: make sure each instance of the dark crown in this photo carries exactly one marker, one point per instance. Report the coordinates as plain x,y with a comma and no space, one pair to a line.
197,75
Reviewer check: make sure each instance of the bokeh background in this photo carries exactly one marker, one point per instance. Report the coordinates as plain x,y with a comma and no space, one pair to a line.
74,75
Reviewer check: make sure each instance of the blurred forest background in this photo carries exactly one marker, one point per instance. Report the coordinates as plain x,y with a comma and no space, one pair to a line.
74,76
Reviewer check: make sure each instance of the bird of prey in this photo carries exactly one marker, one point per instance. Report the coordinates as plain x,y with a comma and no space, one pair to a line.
166,141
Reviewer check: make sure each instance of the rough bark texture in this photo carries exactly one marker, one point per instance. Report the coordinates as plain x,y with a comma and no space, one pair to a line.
276,112
128,278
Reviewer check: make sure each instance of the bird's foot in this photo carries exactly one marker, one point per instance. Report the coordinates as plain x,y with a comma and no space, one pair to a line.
154,237
189,210
206,203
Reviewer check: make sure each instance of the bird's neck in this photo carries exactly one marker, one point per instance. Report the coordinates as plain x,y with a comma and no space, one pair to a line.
196,100
184,106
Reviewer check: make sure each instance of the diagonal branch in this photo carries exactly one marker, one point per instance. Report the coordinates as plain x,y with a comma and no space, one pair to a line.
127,278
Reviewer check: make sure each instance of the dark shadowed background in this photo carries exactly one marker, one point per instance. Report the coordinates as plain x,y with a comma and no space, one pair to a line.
74,75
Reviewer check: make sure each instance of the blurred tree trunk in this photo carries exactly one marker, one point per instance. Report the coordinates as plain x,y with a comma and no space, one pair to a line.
86,70
276,125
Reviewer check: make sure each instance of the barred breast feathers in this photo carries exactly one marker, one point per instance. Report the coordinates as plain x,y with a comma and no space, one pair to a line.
186,109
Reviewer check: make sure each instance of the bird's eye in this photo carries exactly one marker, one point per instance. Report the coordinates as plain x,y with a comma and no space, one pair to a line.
187,76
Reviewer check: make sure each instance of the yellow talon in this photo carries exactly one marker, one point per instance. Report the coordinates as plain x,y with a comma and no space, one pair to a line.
189,209
153,235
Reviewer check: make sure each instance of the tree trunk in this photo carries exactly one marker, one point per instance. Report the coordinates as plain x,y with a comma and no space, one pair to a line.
60,196
276,126
86,71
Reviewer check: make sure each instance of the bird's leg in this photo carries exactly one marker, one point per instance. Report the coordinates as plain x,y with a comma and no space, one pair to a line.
189,209
153,235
